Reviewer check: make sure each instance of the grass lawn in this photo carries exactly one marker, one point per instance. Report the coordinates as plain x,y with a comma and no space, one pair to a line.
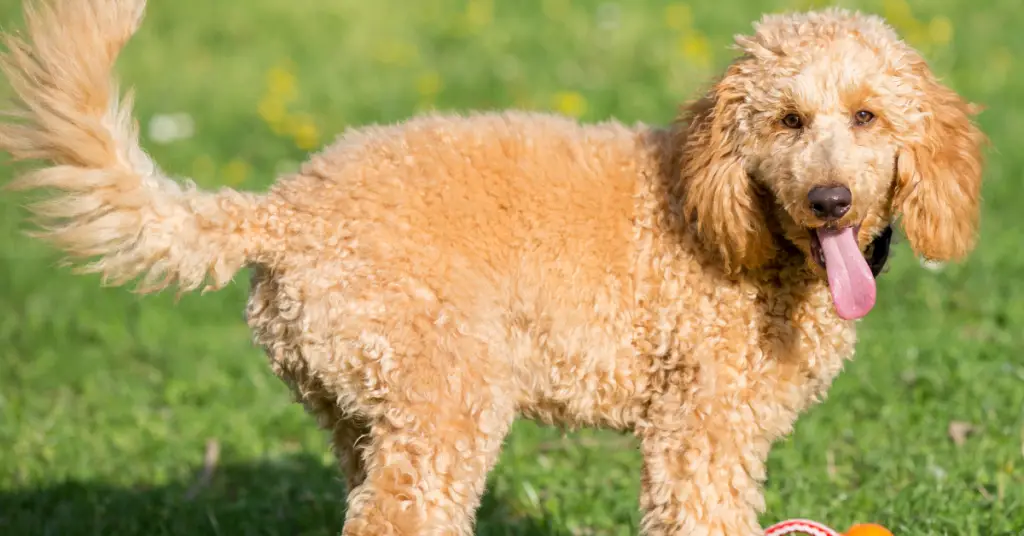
108,401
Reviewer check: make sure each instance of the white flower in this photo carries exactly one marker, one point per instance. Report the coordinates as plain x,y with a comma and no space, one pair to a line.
609,16
166,128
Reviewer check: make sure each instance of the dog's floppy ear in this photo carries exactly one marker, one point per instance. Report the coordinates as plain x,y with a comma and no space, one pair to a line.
719,196
938,185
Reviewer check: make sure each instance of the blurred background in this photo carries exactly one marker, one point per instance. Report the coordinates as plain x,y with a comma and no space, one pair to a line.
122,415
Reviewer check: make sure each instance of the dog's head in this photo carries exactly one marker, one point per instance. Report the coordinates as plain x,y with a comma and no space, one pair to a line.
821,133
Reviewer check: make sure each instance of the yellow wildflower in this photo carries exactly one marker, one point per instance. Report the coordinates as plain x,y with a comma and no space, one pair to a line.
479,13
429,84
999,67
899,14
571,103
281,84
695,48
304,131
1002,59
678,16
940,29
272,110
236,171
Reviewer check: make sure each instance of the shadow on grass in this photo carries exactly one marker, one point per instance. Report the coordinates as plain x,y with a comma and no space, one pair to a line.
298,495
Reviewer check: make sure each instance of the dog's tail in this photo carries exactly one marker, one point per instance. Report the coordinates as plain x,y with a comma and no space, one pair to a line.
108,202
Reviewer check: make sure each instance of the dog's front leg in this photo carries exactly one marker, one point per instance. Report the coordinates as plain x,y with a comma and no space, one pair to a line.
704,459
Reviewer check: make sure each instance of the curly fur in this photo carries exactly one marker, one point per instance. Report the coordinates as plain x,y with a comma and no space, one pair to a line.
420,285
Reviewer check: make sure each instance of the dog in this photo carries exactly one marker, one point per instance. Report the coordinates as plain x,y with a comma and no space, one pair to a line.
419,286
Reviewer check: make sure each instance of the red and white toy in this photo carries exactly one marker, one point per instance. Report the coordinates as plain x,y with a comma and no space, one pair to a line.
813,528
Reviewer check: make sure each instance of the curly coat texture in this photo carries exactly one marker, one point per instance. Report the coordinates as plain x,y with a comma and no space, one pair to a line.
420,285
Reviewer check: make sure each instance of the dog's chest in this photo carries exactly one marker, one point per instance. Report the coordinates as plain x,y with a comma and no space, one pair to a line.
777,343
801,343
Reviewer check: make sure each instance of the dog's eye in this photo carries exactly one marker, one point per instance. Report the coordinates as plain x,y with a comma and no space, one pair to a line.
863,117
792,121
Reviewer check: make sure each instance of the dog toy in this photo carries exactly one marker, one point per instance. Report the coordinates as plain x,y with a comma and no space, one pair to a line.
813,528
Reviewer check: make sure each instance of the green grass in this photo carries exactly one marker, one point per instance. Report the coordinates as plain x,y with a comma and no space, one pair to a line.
107,399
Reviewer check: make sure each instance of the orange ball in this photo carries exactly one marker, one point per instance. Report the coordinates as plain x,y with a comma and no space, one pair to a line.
868,529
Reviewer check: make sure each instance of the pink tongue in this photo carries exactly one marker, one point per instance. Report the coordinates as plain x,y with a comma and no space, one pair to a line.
849,277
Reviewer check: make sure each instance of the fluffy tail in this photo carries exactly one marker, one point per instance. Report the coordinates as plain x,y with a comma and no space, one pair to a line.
108,201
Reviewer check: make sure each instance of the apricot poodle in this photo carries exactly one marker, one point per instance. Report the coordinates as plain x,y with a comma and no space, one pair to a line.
421,285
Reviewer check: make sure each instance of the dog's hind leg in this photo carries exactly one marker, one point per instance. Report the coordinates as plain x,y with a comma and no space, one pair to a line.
429,452
349,439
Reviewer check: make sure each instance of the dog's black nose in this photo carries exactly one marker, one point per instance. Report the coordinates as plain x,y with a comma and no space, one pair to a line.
830,202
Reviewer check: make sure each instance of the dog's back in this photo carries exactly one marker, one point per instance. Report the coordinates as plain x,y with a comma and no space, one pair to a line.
513,230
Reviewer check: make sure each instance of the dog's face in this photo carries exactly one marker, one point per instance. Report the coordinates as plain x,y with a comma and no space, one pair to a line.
821,134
